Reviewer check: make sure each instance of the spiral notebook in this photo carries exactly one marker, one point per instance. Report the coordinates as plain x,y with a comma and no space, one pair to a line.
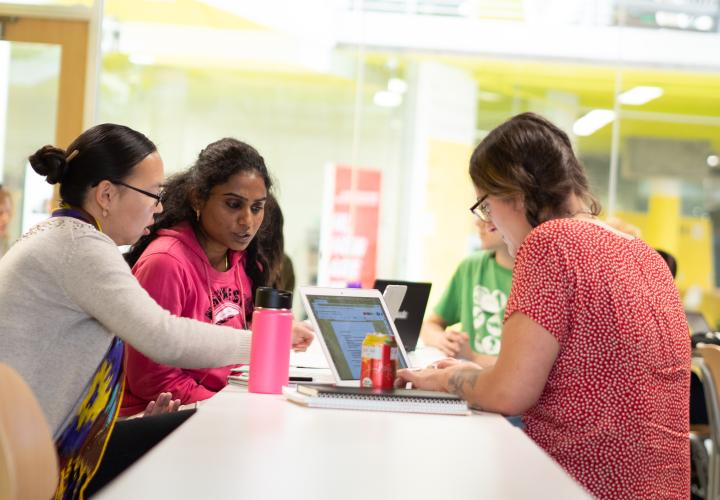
395,400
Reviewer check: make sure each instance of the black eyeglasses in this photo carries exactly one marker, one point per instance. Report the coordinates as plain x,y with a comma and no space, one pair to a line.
481,210
156,197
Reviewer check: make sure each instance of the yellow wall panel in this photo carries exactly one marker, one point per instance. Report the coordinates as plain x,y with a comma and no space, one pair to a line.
693,251
449,195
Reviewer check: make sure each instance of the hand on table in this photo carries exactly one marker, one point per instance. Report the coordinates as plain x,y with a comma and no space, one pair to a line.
453,344
163,404
434,377
302,336
429,379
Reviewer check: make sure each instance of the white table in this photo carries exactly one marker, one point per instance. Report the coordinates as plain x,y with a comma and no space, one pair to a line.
252,446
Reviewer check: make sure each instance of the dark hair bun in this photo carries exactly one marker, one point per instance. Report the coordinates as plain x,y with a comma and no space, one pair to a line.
49,162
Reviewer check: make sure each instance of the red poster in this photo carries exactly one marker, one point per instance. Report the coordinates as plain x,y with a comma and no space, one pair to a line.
349,232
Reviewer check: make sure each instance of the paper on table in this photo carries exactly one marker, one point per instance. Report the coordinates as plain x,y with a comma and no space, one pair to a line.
425,356
314,357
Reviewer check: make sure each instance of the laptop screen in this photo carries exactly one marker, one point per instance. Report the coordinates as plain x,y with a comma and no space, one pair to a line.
344,322
412,310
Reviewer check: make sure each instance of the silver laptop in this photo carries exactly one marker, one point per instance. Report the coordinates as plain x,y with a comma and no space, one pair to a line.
410,312
342,317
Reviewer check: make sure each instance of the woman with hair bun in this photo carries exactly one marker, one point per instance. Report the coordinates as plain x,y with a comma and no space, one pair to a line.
595,352
202,260
69,303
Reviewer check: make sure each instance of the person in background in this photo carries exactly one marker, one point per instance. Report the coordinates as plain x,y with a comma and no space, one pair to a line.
272,246
475,297
201,259
595,352
669,260
6,209
69,304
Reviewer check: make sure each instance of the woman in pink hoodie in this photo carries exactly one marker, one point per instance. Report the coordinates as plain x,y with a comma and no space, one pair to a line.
201,260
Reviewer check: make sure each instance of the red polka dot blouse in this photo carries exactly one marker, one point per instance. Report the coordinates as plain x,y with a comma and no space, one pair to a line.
614,411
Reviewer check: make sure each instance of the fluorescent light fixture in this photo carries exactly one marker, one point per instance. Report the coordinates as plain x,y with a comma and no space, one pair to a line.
640,95
668,19
704,23
141,59
486,96
593,121
466,9
387,99
713,161
397,85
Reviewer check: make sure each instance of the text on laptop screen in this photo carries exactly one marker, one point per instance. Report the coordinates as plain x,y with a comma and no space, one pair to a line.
344,323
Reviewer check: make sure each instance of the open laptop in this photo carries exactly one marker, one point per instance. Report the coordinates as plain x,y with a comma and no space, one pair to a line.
412,310
342,317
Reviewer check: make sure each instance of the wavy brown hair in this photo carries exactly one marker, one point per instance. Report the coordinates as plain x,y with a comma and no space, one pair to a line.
530,156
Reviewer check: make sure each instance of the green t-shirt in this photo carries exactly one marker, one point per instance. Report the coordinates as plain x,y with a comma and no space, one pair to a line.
476,298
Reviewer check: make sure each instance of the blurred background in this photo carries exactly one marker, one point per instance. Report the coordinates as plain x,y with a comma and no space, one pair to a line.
367,111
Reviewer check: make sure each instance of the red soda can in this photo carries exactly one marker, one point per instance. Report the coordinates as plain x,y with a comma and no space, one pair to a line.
379,361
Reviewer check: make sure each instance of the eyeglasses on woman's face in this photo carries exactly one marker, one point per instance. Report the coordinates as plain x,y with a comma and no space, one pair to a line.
481,209
156,197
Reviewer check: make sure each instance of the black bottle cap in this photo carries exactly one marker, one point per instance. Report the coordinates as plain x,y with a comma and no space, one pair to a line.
270,298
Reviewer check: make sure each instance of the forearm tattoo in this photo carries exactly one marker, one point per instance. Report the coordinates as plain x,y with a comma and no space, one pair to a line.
462,382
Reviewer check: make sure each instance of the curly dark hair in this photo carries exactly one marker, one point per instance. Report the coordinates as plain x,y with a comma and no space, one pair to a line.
271,240
530,156
215,165
272,247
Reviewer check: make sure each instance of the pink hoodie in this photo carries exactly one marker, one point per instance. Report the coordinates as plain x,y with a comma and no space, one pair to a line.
176,272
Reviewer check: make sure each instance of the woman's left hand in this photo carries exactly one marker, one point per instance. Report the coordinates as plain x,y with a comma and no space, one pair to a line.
435,376
429,379
163,404
302,336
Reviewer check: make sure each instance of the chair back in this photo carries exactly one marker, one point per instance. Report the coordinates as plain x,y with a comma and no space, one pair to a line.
710,370
28,460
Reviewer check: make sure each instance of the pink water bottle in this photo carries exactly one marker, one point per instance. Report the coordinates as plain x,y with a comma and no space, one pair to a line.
271,341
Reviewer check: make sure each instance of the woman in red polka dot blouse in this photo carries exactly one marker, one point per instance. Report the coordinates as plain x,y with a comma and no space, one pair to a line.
596,351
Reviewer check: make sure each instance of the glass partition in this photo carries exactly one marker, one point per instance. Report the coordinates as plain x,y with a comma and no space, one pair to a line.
323,85
28,108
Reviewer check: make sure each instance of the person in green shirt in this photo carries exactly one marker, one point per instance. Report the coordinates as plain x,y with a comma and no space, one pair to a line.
476,299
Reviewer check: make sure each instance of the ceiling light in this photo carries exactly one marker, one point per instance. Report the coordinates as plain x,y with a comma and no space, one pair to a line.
703,23
467,9
486,96
667,19
713,161
640,95
593,121
141,59
387,99
397,85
